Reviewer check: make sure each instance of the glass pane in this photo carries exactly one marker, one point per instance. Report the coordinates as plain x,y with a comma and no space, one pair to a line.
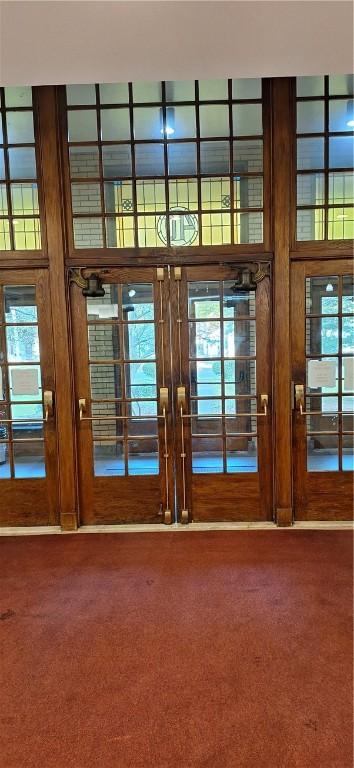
120,232
322,295
340,117
103,307
237,304
183,193
240,378
182,159
25,384
180,122
310,117
341,152
348,334
239,408
140,380
347,453
180,90
117,161
213,90
105,424
205,378
348,294
29,459
348,375
310,224
106,381
108,458
80,94
183,229
86,198
20,303
204,300
206,408
341,85
103,342
340,188
2,391
322,335
82,125
143,457
139,341
142,408
310,189
241,454
18,96
20,127
114,93
215,193
214,157
310,153
22,343
214,120
149,160
5,469
151,231
24,198
322,453
2,164
22,162
310,86
247,88
88,233
248,156
248,227
247,119
5,243
204,339
148,123
216,228
147,91
118,196
150,196
207,456
27,234
340,223
138,303
248,192
84,162
239,338
115,124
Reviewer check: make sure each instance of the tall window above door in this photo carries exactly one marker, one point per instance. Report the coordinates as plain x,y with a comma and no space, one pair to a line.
166,164
325,157
19,209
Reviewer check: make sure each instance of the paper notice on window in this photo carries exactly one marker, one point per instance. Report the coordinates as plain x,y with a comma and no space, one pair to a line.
348,373
321,373
24,381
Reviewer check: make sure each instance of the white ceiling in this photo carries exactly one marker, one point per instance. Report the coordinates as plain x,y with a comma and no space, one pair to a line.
81,42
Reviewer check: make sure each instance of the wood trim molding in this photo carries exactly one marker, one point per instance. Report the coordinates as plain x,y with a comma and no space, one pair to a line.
52,197
282,165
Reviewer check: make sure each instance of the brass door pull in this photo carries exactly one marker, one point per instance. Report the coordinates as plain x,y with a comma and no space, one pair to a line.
181,402
48,412
300,405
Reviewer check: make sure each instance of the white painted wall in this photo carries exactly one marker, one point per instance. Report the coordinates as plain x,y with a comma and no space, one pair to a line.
82,42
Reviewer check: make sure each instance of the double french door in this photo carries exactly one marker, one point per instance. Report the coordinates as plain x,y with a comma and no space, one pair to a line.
323,374
173,385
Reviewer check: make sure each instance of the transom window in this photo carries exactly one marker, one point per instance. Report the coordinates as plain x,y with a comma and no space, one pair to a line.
325,161
19,209
166,164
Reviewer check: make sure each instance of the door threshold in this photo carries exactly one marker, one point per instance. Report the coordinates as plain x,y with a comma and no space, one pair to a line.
323,525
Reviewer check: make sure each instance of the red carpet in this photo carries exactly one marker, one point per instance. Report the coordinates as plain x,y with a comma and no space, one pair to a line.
177,650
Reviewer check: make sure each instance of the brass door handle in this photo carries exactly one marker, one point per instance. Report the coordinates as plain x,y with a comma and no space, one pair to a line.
300,405
82,410
181,402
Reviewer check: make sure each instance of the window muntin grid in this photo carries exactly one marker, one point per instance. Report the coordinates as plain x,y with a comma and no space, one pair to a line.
20,228
330,337
123,380
222,378
325,158
142,155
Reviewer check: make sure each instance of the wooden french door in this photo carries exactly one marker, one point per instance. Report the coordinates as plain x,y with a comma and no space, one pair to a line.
173,382
123,396
222,375
28,453
323,375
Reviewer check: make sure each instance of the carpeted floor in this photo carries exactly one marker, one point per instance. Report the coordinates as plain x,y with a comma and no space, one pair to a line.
176,650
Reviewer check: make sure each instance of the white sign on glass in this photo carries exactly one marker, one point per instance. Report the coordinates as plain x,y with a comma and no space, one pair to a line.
24,381
348,373
321,373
